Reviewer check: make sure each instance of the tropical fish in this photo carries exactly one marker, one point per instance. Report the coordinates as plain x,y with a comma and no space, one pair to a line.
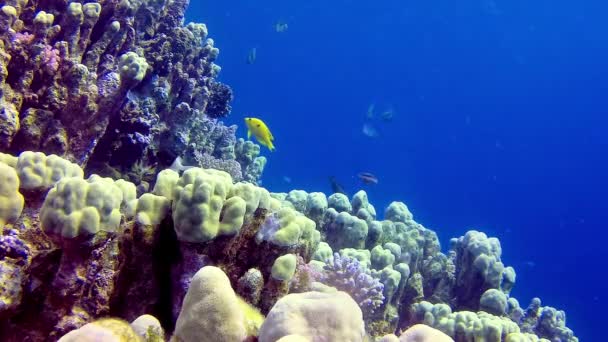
251,57
260,131
367,178
336,187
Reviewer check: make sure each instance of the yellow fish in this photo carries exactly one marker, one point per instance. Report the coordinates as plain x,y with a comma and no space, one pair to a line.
260,131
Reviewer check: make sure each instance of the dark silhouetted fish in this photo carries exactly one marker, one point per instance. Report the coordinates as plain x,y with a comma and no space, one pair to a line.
367,178
336,188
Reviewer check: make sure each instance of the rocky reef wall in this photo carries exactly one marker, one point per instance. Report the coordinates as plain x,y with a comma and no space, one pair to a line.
121,87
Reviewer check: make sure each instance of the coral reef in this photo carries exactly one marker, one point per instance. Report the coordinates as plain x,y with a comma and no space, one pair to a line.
199,244
124,89
120,86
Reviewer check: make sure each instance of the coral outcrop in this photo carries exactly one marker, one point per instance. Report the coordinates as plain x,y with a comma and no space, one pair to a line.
74,250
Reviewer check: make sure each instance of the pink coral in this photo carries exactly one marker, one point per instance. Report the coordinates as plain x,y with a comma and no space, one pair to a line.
24,38
304,277
50,59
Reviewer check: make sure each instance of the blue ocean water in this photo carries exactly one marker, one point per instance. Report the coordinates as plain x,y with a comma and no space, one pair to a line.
500,120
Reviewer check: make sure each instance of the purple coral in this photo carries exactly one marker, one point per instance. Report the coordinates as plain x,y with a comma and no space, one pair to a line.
304,277
182,274
93,116
13,247
268,228
219,101
348,275
23,38
50,59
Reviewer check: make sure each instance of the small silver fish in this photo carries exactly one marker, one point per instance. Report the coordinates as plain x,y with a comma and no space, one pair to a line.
370,111
251,57
369,130
388,114
281,26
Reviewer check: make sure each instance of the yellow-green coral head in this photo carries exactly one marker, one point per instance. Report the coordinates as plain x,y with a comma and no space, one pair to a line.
260,131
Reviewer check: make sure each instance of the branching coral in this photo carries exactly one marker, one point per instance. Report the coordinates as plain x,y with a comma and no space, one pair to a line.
348,275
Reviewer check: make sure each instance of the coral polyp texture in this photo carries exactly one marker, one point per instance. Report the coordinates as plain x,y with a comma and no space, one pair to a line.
203,256
120,87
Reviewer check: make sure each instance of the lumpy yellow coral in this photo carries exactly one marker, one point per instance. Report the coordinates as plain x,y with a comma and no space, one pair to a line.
253,317
107,330
11,201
